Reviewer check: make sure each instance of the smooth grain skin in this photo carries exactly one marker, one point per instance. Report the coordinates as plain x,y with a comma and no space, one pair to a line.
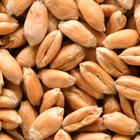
26,57
8,99
10,121
116,122
82,84
53,97
126,4
68,57
111,105
97,126
77,98
33,87
92,136
137,15
50,78
121,137
36,23
52,23
90,10
48,48
129,87
8,24
117,21
14,40
100,36
109,9
137,110
92,73
78,33
111,63
80,118
15,8
131,56
113,40
46,124
62,135
9,67
28,115
126,107
63,10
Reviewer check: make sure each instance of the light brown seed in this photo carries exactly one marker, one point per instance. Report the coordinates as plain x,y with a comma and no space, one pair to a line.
9,67
137,14
46,124
80,118
63,10
8,99
126,4
109,9
8,24
121,137
32,86
137,110
129,87
26,57
90,10
53,97
77,98
131,56
82,84
113,40
93,74
36,23
117,21
17,89
116,122
48,48
126,107
56,79
14,40
92,136
62,135
100,36
96,126
111,105
4,136
111,63
9,118
68,57
77,32
28,115
15,8
52,23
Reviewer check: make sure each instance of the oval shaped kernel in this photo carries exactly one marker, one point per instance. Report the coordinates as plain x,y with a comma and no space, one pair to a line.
90,9
68,57
48,48
63,10
56,79
80,118
78,33
113,40
116,122
46,124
